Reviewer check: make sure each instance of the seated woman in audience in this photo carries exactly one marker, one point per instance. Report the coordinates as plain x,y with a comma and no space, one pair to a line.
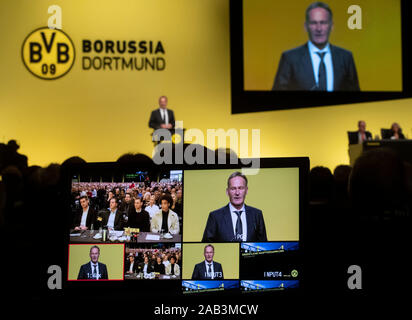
396,132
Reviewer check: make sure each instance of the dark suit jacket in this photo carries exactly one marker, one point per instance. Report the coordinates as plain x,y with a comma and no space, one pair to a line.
118,219
150,267
135,266
91,218
295,71
159,268
156,119
139,220
200,272
354,136
125,207
219,226
401,136
86,271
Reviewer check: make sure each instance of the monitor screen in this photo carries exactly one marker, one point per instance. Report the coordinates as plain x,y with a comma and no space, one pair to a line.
200,229
299,54
332,46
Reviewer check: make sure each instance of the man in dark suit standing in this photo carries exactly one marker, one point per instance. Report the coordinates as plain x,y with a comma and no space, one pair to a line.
235,221
93,270
162,118
208,269
317,65
85,217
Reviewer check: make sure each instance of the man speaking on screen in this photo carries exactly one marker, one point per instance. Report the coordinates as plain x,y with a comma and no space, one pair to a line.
208,269
235,221
93,270
317,65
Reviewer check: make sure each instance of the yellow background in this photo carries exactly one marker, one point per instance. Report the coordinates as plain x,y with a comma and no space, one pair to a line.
110,254
272,27
274,191
227,254
101,115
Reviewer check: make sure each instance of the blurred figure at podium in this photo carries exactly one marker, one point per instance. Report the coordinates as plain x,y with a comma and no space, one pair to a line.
396,132
362,135
162,118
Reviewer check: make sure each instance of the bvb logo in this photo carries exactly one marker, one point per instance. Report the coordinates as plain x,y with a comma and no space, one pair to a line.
48,53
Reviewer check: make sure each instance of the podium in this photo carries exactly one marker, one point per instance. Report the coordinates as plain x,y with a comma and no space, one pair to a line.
355,150
402,147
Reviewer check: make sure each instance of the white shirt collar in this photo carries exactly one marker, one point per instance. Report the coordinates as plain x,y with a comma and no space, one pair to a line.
313,48
233,209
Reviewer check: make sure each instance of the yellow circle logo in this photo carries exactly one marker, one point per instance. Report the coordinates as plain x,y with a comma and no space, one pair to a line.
48,53
176,138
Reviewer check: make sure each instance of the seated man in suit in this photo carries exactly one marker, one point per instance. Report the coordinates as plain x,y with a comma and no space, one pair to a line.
162,118
127,204
208,269
113,218
93,270
235,221
165,219
363,135
139,218
146,266
317,65
173,269
131,265
86,217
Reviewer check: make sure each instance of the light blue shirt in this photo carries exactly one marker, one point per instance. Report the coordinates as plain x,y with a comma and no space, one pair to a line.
328,64
112,216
